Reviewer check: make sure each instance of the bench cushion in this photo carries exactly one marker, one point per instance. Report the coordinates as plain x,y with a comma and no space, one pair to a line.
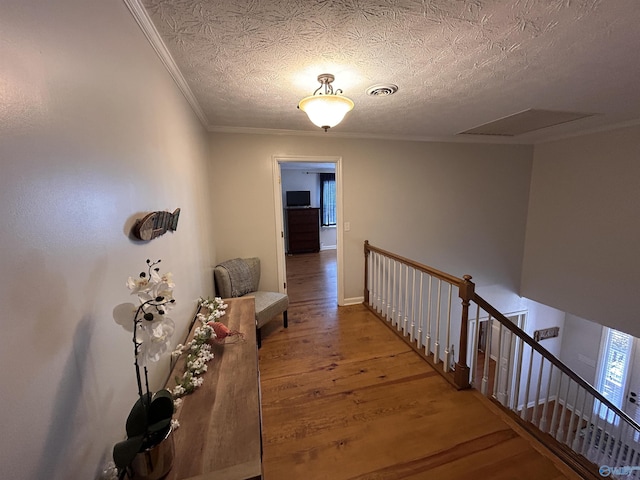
268,305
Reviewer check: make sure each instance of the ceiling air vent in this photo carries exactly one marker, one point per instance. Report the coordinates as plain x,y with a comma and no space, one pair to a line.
382,90
525,122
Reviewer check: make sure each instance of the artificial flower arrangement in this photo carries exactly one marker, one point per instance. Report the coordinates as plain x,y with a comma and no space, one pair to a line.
149,421
198,350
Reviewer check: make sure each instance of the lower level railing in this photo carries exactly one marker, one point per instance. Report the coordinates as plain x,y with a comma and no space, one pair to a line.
509,366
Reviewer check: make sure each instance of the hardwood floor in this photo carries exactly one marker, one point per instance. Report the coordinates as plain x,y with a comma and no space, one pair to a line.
344,398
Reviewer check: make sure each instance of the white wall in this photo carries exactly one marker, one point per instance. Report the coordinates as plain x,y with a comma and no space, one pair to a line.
581,346
458,207
583,232
93,134
301,180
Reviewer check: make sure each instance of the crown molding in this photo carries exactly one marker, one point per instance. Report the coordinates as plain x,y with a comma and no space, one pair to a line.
478,139
368,136
592,131
146,25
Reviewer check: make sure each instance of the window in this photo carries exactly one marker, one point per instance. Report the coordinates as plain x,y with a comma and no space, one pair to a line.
328,199
614,365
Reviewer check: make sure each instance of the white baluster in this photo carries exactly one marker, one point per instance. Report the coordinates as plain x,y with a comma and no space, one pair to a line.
474,350
427,340
537,400
400,296
389,288
633,456
595,420
611,438
508,385
620,444
575,446
379,275
523,414
420,318
560,432
487,356
406,299
586,444
601,444
553,427
369,277
381,284
393,296
436,347
573,414
447,351
497,376
374,280
545,408
412,328
518,375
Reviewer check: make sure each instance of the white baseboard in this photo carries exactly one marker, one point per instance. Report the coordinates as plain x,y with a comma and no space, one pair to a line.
353,301
328,247
532,403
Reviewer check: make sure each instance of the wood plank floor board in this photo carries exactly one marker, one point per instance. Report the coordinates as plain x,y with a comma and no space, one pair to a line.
344,399
334,378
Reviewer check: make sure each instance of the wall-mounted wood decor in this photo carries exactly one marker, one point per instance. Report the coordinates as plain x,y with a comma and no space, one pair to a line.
546,333
155,224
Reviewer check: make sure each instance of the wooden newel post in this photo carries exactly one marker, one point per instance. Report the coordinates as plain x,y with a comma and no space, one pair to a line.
366,272
466,292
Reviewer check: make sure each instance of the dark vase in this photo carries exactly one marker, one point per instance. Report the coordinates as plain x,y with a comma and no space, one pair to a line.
155,461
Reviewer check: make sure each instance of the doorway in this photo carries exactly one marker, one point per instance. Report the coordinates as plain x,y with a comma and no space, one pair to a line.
493,358
302,174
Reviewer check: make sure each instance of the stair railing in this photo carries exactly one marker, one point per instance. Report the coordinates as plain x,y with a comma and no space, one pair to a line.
516,372
416,300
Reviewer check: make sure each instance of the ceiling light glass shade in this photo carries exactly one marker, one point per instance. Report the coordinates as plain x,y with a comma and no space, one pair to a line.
326,111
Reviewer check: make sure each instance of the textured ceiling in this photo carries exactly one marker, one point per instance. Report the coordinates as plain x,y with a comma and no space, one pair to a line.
458,64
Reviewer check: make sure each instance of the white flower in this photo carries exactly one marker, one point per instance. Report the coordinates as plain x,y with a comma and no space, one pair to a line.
137,285
205,353
197,381
175,424
201,334
178,350
179,390
154,338
177,402
216,309
149,289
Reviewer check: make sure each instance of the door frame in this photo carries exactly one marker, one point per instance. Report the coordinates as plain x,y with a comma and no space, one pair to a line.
277,160
520,319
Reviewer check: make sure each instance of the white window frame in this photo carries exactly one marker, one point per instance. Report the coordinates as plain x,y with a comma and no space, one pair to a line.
601,410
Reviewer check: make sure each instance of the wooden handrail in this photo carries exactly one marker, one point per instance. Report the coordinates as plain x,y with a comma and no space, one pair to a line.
418,266
547,355
467,293
466,289
461,373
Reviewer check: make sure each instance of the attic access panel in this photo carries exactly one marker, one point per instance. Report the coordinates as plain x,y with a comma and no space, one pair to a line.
525,122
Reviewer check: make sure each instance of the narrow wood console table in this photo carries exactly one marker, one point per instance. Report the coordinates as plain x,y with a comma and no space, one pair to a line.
220,425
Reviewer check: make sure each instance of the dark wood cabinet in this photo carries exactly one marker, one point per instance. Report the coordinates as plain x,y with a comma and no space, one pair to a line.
303,230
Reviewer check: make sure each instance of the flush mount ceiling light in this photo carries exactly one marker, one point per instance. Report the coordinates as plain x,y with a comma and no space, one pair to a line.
325,107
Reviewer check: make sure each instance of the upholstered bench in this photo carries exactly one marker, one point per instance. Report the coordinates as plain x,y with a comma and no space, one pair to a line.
240,277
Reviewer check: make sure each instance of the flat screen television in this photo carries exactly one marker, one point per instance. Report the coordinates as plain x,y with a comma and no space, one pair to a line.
298,198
